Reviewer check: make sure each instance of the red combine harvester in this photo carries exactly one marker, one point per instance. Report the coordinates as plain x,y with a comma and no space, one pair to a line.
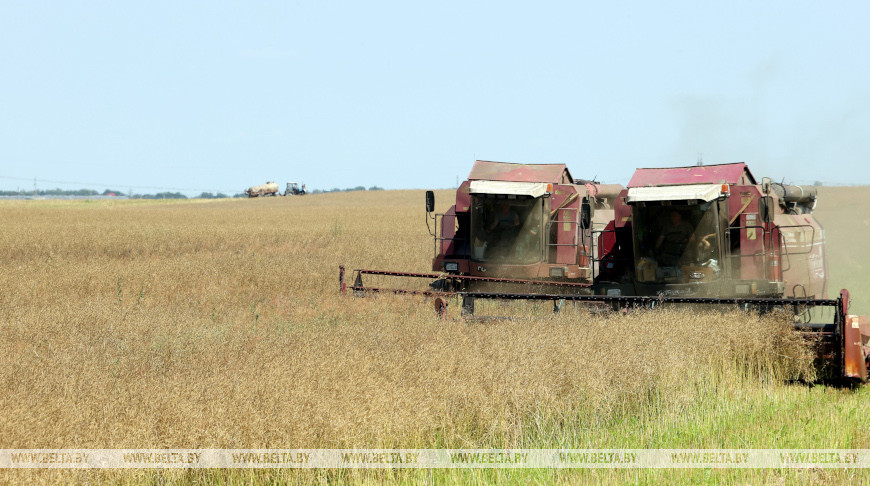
518,228
700,235
713,231
525,221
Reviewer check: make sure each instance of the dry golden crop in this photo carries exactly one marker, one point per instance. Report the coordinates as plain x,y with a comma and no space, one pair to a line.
219,324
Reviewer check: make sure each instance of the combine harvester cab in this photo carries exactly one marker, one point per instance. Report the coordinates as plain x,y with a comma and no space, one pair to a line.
515,229
713,231
527,222
712,234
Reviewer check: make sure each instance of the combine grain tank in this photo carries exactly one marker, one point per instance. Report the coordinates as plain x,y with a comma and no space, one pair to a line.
267,189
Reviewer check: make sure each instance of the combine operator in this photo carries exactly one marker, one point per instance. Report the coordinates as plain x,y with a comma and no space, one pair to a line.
505,221
673,240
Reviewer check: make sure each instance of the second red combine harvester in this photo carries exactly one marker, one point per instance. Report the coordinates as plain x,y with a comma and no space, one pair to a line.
714,231
710,235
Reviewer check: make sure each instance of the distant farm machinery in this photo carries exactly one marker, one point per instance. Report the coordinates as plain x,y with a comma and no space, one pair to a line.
272,189
707,236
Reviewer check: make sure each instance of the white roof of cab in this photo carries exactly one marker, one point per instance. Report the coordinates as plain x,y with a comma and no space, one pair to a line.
686,192
533,189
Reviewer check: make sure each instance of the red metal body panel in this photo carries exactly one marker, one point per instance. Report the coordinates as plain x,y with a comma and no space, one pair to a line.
463,197
748,251
439,261
705,174
623,211
560,193
448,232
503,171
607,241
854,360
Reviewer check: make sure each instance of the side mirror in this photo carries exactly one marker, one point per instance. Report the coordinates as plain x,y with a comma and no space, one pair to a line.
765,185
765,207
430,201
586,214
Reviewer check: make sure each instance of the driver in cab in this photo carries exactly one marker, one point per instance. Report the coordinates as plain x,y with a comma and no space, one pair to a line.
674,239
506,219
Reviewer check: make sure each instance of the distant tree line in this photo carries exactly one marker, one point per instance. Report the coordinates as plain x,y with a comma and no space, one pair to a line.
159,195
357,188
56,192
220,195
111,192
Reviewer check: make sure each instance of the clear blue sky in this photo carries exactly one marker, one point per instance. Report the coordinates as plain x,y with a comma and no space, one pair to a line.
220,96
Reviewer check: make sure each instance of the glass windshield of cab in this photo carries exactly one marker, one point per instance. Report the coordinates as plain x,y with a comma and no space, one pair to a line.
676,243
506,229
